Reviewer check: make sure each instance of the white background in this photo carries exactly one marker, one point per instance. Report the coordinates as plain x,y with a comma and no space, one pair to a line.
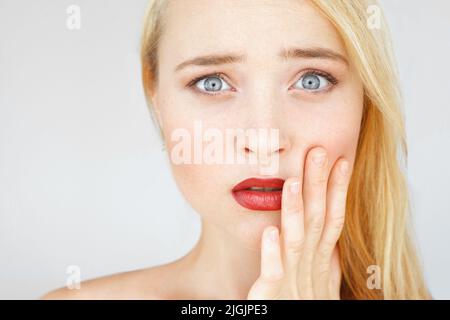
83,180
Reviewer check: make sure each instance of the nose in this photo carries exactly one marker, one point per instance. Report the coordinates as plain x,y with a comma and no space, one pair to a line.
262,149
266,139
264,142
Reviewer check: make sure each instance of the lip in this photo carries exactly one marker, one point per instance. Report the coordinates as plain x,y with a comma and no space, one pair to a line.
259,200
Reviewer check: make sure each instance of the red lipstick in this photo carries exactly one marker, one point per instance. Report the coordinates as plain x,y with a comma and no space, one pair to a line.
259,194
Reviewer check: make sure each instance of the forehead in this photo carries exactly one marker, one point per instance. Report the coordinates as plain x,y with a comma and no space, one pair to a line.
257,28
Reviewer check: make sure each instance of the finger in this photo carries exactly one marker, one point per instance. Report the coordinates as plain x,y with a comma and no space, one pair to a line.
334,222
271,264
335,275
314,199
292,225
268,283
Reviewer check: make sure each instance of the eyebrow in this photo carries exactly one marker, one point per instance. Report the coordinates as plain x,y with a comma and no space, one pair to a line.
284,54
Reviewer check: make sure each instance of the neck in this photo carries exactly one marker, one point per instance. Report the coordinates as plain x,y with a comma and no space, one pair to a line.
220,266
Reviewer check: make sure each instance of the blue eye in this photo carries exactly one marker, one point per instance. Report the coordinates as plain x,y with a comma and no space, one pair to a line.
314,82
211,84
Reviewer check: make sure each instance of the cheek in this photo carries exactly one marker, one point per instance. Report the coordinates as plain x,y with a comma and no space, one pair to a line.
339,138
193,180
202,185
336,127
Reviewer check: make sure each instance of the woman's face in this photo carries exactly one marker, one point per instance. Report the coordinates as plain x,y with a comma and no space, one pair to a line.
289,72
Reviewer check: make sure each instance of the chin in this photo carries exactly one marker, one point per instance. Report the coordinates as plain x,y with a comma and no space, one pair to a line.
251,224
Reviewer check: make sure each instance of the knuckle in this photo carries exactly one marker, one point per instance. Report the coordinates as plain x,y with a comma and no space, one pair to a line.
294,246
291,210
326,250
316,225
319,181
322,270
316,228
337,223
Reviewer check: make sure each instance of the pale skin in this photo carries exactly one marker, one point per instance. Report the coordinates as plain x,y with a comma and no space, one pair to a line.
303,261
236,257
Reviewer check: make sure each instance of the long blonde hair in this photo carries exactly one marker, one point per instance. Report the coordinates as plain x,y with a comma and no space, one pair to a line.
377,230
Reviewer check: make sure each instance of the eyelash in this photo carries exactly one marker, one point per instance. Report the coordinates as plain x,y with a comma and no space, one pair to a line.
219,75
192,83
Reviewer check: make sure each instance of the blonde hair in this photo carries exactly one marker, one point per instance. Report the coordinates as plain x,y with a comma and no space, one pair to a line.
377,230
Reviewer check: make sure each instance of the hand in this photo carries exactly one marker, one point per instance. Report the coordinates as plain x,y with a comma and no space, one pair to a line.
303,261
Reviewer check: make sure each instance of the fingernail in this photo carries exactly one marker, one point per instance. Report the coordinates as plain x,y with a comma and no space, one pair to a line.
319,159
295,187
272,236
344,167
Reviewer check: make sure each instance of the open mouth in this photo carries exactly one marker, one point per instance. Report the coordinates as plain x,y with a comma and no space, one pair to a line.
259,194
263,189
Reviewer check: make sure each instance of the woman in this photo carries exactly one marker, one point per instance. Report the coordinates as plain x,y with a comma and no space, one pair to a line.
331,221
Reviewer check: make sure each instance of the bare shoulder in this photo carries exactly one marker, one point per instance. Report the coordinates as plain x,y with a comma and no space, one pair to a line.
148,283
